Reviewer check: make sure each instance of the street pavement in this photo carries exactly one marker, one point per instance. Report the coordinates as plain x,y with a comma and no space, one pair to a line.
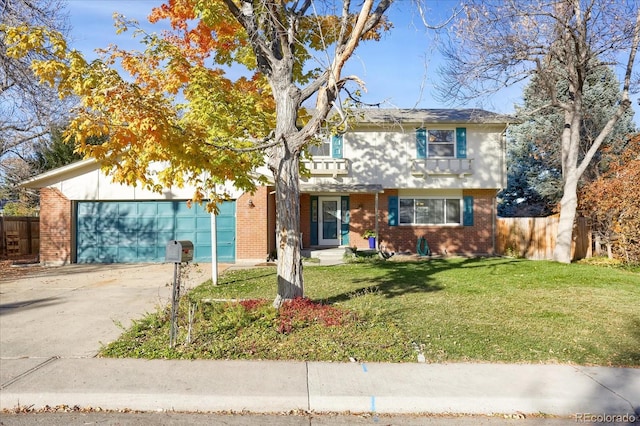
53,322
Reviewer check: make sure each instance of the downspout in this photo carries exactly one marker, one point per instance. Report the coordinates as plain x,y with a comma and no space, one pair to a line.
376,221
494,218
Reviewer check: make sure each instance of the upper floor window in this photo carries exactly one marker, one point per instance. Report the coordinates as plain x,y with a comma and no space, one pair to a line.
447,143
327,147
441,143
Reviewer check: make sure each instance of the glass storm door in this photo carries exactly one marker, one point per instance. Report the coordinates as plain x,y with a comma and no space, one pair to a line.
329,226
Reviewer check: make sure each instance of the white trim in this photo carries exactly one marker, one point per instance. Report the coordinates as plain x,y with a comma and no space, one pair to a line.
329,242
432,197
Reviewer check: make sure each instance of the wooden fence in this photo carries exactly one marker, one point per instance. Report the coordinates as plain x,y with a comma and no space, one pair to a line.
535,237
19,236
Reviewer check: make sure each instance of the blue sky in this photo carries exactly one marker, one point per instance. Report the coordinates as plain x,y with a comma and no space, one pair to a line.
401,70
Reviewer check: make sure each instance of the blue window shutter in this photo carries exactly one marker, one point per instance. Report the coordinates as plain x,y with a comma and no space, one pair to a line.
336,146
467,210
461,142
314,220
393,210
346,217
421,143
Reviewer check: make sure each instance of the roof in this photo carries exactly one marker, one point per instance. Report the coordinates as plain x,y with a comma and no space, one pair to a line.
399,115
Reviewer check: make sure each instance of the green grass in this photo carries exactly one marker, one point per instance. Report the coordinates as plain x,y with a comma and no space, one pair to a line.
490,310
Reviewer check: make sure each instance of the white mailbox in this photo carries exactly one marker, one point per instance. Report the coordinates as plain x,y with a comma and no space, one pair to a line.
179,251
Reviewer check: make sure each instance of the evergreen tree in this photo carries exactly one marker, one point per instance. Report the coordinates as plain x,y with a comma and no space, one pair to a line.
534,179
56,153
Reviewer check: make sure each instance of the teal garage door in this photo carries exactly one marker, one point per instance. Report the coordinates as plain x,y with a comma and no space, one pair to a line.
127,231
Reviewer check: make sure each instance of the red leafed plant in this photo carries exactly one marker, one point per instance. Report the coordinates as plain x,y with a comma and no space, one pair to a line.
252,304
302,311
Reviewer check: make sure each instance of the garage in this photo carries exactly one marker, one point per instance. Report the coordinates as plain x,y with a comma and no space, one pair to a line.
138,231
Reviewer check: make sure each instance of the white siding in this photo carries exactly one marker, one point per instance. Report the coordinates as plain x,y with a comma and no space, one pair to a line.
384,157
89,183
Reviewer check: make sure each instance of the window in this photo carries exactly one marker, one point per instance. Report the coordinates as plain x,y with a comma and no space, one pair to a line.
441,143
327,147
321,149
430,211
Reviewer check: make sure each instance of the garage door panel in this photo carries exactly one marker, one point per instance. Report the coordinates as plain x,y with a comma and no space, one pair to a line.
146,239
225,222
166,209
164,238
127,239
203,222
144,223
103,223
106,209
89,255
186,224
108,238
226,251
107,254
182,209
203,238
150,253
125,254
139,231
165,223
183,235
127,224
147,209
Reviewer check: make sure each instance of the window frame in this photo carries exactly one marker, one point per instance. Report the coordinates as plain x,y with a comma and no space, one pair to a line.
325,149
327,141
453,143
444,219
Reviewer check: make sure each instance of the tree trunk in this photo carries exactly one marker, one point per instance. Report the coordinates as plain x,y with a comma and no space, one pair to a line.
571,175
290,278
284,162
568,207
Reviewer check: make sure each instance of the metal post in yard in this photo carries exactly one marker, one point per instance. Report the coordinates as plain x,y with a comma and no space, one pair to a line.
175,297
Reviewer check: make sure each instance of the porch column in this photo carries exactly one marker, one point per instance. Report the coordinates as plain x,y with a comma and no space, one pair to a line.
376,221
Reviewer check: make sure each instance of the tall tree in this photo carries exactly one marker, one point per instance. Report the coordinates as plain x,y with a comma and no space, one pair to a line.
185,108
26,108
534,179
503,42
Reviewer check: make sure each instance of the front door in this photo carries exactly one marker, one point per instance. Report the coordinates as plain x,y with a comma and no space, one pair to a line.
329,223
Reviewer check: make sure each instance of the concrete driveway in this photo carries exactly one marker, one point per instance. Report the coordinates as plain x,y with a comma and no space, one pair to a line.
71,311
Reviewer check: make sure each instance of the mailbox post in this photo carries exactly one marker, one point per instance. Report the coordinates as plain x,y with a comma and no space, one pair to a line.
177,252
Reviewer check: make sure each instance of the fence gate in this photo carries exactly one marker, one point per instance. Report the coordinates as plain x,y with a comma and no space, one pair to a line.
19,236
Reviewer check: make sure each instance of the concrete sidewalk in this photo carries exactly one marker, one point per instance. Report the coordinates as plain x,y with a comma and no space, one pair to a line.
268,386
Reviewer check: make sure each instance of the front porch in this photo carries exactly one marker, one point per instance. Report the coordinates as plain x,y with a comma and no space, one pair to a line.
336,215
325,255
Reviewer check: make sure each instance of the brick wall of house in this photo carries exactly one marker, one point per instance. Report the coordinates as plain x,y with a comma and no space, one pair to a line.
462,240
55,227
305,219
362,209
252,218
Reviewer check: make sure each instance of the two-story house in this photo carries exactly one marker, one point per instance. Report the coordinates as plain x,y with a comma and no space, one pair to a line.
408,174
404,174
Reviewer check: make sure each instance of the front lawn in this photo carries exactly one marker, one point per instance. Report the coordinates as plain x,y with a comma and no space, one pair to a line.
442,310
